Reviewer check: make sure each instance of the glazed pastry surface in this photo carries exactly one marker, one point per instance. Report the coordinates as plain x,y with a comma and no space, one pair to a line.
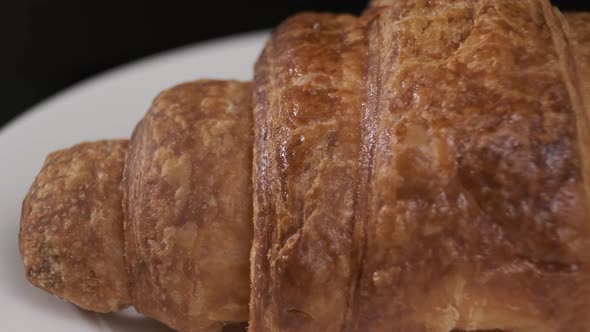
308,99
188,206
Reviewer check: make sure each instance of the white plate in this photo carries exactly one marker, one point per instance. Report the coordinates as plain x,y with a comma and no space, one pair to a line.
107,106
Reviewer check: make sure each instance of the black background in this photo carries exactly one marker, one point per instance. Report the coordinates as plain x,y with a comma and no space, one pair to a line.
51,44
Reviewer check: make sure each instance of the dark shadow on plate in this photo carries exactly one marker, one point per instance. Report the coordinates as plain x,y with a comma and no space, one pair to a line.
124,322
130,321
243,327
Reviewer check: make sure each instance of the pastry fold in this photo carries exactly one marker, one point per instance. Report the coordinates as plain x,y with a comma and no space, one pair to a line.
71,231
307,106
188,206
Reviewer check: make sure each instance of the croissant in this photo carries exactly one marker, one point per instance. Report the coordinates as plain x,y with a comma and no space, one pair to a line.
421,167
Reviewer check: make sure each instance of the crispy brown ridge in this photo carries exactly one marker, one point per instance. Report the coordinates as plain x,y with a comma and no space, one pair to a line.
308,102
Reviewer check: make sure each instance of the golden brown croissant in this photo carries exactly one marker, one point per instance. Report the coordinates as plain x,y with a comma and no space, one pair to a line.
420,168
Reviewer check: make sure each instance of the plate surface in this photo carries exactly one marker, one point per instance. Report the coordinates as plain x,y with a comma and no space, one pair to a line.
107,106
